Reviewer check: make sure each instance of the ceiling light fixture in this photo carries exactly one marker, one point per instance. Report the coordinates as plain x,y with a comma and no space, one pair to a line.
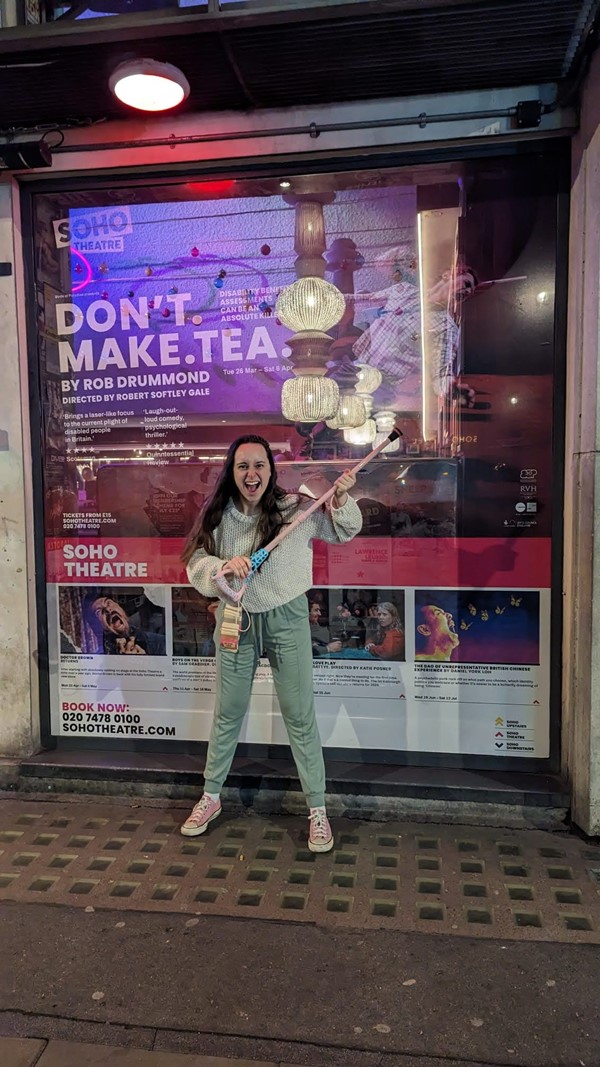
148,85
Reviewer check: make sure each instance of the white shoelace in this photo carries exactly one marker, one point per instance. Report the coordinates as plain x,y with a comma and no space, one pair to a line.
319,824
199,808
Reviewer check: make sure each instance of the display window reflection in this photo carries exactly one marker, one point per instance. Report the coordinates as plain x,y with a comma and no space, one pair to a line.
159,340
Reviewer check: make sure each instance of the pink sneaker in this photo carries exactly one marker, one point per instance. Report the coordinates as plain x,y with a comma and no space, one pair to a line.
203,812
320,836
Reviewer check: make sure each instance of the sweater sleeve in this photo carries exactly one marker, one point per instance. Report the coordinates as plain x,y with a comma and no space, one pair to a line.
337,525
200,571
391,647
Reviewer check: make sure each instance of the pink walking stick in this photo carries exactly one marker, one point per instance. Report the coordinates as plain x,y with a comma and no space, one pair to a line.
258,558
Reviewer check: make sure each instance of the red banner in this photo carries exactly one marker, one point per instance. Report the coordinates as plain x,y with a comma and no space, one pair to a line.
485,562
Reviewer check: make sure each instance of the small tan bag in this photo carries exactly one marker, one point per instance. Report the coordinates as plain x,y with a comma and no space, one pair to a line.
231,626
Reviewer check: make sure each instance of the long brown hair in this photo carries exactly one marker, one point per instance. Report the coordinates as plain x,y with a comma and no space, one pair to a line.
395,624
386,605
271,517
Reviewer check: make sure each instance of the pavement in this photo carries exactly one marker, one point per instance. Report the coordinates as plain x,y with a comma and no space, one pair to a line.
177,980
23,1052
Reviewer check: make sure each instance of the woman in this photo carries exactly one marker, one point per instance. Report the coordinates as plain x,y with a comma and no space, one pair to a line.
246,511
390,640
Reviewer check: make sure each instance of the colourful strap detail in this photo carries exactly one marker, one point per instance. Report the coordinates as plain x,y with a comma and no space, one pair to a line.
258,558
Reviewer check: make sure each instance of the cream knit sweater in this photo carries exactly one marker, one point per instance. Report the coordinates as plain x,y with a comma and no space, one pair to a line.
288,571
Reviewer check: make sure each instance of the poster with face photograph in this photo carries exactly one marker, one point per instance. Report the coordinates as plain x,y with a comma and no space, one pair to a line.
159,343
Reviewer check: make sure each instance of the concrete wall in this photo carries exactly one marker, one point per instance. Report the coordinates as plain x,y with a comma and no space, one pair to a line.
581,693
19,730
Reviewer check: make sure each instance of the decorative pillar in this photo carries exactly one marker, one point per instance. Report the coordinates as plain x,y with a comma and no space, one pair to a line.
310,306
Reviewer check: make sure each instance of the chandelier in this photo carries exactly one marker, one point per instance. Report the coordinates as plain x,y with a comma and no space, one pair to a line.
309,306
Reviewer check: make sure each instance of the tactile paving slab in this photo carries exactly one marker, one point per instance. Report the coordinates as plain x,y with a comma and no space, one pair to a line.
470,881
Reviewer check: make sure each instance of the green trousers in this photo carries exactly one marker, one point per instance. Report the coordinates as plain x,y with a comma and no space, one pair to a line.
284,635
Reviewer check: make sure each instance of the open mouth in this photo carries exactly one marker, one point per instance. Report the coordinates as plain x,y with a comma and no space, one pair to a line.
252,487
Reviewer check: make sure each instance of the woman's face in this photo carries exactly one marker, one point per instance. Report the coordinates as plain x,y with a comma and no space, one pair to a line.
251,472
385,617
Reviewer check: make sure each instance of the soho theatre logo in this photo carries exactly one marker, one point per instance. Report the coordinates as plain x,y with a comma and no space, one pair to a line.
97,231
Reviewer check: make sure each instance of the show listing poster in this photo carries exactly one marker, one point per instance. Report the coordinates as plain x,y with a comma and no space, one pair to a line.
431,630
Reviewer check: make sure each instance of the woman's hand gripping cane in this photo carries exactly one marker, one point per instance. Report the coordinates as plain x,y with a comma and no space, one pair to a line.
238,567
343,486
